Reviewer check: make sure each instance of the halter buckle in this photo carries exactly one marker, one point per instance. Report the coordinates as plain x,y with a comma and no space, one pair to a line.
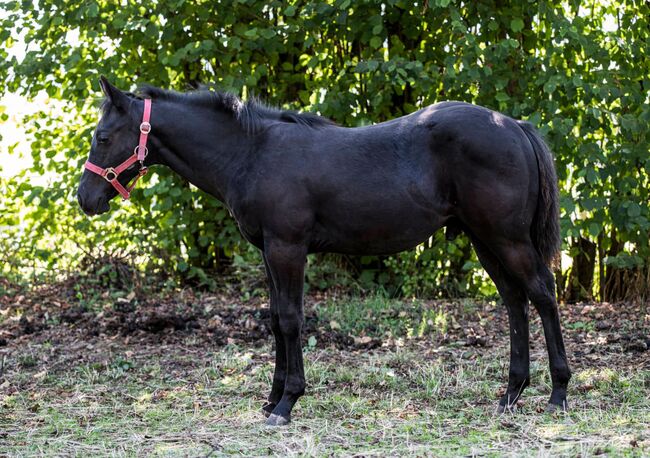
145,127
108,171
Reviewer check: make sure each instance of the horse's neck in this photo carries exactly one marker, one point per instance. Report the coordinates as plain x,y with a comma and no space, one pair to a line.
201,145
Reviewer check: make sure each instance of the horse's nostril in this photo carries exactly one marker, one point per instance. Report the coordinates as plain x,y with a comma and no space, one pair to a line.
80,200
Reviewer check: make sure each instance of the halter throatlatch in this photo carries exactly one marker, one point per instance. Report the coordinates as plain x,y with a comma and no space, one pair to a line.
140,152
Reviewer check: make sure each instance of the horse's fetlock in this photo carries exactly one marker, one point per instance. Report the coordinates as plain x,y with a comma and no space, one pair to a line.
561,375
295,386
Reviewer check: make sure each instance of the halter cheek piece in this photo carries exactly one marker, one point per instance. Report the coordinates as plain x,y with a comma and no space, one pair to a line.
140,152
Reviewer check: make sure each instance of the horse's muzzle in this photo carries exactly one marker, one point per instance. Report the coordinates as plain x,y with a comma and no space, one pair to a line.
99,206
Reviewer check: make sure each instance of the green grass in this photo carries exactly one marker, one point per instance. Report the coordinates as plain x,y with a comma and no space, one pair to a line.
193,399
383,403
378,316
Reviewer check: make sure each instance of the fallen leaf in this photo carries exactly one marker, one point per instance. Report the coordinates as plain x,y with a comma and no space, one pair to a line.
362,340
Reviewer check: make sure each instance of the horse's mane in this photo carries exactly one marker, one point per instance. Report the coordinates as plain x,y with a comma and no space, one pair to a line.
251,114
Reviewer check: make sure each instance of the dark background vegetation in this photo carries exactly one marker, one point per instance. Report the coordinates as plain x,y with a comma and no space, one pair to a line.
577,70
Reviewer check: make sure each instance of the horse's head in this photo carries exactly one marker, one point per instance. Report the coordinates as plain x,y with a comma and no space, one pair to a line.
113,143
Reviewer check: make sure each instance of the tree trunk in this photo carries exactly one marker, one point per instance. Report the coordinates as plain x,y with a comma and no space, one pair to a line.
581,278
614,287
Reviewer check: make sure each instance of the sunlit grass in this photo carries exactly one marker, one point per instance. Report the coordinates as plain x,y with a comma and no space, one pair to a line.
376,403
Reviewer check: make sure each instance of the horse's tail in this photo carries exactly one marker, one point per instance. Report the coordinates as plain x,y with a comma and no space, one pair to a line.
545,230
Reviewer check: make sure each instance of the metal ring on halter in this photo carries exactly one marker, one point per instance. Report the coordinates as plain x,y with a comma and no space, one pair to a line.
110,170
145,127
146,150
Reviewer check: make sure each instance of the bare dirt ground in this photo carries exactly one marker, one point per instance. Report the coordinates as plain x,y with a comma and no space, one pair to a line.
596,334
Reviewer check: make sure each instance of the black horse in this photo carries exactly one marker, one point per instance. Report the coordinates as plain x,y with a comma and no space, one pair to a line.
298,184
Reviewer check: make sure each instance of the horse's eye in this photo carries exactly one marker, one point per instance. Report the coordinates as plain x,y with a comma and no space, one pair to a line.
102,139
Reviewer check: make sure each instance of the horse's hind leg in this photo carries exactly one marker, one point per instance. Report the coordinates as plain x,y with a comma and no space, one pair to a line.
523,262
516,302
541,291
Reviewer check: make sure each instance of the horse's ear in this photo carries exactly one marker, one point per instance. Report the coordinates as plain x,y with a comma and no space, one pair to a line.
118,98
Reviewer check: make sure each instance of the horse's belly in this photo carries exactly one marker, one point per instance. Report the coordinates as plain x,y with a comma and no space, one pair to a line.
383,231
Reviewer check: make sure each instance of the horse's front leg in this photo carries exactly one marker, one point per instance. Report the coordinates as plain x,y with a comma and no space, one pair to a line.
286,266
280,372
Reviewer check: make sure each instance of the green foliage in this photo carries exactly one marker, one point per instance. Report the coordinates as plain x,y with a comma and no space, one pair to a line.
325,271
580,72
440,268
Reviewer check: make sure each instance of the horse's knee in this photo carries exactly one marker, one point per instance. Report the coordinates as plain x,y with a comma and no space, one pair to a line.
290,325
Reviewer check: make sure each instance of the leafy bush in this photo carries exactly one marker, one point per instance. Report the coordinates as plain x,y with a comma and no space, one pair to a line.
579,74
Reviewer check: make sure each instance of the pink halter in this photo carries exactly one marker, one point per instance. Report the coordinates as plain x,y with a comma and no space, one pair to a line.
110,174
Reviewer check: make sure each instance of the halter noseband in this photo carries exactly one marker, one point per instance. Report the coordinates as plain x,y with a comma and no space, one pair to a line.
140,152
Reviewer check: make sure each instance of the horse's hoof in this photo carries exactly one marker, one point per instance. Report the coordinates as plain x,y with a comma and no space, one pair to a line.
553,408
277,420
267,409
505,408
